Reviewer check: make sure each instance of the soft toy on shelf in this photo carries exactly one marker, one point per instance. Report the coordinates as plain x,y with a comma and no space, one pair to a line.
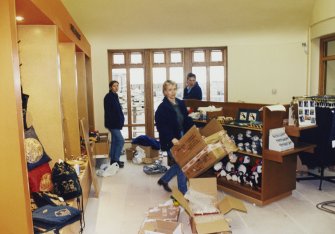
256,145
227,169
256,175
248,137
243,170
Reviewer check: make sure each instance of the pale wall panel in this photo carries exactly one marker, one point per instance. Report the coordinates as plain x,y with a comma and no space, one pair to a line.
40,77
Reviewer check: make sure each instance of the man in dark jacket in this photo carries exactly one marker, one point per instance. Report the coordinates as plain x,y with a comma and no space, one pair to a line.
192,89
114,121
172,122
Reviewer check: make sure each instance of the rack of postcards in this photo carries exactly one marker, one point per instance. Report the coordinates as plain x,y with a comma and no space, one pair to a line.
302,111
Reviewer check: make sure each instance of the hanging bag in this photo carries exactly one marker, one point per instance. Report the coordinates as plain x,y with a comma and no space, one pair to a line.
66,181
67,185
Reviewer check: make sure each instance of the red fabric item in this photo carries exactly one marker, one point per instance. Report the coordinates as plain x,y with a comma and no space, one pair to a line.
40,179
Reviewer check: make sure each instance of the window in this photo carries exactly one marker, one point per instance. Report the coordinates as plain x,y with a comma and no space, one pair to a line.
144,71
327,66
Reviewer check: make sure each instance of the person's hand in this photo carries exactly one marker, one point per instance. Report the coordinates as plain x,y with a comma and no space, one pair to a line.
175,141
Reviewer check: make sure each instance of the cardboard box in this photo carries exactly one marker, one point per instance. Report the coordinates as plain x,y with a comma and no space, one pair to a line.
149,152
101,147
214,114
197,151
130,153
208,223
164,213
161,227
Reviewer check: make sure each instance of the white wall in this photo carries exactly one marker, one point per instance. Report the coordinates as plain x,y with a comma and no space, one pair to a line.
258,62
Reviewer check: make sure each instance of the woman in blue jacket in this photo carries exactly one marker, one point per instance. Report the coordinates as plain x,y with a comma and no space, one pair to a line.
172,122
114,121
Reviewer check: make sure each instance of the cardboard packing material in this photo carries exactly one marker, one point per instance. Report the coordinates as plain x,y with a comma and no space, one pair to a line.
164,213
149,152
161,227
197,151
208,223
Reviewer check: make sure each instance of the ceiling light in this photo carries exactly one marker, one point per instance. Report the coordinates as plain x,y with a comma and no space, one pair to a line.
19,18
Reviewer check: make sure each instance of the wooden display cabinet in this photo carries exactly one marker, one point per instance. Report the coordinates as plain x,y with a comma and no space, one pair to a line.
278,168
33,43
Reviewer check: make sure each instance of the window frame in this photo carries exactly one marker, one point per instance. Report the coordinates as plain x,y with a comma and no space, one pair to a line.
324,58
148,64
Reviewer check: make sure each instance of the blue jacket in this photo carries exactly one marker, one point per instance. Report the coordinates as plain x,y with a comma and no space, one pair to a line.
167,124
114,118
195,92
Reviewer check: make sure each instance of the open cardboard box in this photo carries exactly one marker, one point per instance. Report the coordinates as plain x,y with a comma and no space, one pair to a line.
198,150
149,152
209,223
161,227
164,213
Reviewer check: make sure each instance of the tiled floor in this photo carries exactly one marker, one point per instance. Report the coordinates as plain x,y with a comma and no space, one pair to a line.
126,196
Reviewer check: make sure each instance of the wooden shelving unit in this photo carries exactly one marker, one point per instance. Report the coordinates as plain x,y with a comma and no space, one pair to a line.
294,131
250,154
278,168
34,43
242,127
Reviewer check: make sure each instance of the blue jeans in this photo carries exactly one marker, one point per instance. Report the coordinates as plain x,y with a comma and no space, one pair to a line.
175,170
116,145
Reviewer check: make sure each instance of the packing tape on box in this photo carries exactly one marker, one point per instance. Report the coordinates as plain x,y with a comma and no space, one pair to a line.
194,159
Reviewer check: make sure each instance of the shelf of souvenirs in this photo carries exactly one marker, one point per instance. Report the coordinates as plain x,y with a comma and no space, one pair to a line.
242,188
247,126
294,131
245,189
279,155
250,154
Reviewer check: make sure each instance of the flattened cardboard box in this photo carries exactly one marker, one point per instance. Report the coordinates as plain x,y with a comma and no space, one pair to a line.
195,154
161,227
211,223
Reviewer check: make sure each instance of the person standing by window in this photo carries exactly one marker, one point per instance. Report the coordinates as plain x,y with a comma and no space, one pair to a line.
192,89
172,122
114,122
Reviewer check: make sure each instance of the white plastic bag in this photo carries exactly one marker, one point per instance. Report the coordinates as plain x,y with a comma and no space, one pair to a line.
139,155
106,170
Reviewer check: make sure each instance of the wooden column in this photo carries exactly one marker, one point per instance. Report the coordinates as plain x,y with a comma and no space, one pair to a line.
82,88
69,100
14,203
90,103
